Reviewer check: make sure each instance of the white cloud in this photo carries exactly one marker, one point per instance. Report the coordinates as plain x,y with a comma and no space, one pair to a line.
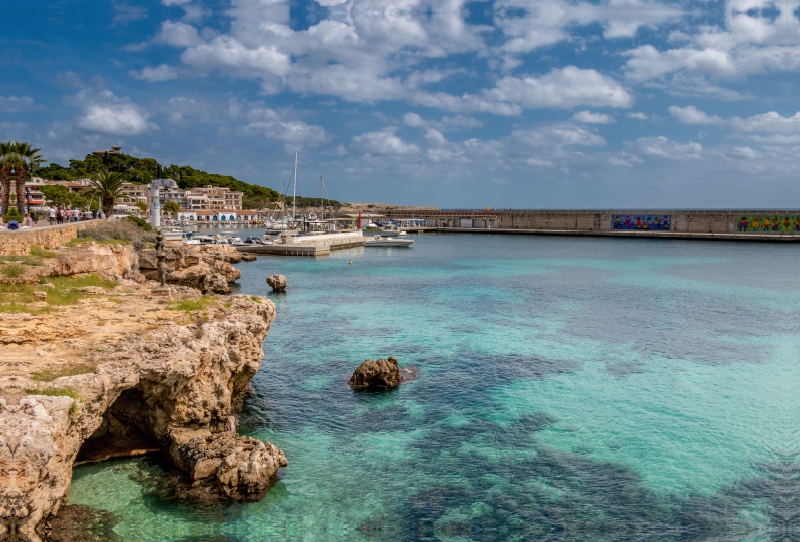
637,115
692,115
295,131
743,153
178,34
588,117
105,113
445,124
157,74
565,88
546,22
125,13
13,104
667,148
412,119
383,142
556,135
771,122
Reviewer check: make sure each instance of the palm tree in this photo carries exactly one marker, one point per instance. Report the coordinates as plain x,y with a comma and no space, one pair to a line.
17,156
6,147
107,187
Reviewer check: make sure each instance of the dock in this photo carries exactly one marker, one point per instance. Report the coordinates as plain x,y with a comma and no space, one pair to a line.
308,246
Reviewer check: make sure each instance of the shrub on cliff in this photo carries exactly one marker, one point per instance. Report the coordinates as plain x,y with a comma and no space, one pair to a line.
116,230
141,222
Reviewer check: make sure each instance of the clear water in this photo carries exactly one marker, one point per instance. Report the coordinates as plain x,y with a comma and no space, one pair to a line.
570,389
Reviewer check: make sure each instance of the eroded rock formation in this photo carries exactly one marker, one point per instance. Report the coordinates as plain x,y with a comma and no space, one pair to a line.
207,268
163,380
377,375
277,282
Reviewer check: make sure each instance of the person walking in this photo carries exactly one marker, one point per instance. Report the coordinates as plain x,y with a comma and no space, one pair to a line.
52,215
60,216
34,218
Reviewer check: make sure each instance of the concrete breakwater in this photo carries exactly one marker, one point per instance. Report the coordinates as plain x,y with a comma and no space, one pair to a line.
727,224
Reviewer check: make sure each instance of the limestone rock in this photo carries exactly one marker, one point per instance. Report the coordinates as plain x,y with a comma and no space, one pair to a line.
41,296
175,386
277,282
377,375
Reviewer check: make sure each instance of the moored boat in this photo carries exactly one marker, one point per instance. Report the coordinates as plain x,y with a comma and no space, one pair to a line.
379,241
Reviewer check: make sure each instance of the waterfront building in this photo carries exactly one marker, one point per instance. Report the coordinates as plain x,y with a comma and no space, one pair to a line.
217,197
206,198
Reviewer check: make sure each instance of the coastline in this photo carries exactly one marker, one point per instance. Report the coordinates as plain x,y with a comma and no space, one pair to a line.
116,370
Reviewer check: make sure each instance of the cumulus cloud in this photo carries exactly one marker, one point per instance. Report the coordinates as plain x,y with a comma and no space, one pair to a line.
106,113
637,115
13,104
692,115
587,117
383,142
771,122
531,24
177,34
667,148
565,88
157,74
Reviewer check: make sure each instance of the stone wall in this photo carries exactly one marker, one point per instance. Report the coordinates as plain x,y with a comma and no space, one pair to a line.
19,242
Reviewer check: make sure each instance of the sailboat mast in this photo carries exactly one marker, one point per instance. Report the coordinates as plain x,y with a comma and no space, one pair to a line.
294,192
322,197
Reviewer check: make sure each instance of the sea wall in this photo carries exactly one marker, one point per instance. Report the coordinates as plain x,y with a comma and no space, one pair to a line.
19,242
693,221
750,223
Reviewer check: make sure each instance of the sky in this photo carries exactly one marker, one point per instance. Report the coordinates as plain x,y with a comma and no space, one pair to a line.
507,103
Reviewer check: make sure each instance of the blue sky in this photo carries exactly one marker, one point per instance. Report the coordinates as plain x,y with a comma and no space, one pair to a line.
508,103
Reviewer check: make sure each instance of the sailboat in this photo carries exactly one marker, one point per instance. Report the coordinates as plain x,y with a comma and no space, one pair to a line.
310,230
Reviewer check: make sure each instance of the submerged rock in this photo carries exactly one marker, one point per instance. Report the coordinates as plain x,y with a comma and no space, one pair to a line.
377,375
278,283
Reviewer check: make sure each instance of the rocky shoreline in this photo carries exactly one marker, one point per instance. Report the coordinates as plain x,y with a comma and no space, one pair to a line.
127,372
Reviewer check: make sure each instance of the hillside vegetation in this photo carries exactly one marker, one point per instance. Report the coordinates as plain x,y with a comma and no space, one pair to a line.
143,170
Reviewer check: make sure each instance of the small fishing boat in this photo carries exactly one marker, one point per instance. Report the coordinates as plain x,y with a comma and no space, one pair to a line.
379,241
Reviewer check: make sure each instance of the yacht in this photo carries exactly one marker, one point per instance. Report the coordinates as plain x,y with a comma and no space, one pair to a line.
392,230
379,241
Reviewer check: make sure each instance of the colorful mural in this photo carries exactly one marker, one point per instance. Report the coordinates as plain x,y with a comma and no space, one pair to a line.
642,222
774,224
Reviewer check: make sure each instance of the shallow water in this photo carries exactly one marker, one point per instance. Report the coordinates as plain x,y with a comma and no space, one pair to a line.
571,389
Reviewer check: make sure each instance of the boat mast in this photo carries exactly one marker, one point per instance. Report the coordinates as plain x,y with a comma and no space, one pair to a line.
322,197
294,192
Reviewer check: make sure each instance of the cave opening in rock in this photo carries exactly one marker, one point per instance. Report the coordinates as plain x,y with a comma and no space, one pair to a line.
123,432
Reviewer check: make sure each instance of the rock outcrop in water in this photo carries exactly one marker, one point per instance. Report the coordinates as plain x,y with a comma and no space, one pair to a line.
163,380
277,282
377,375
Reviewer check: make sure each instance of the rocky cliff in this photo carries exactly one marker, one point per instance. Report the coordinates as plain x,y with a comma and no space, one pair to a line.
151,378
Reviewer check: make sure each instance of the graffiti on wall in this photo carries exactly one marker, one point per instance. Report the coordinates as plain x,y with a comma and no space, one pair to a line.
774,224
642,222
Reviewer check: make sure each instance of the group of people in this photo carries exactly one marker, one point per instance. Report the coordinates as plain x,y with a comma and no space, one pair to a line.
63,216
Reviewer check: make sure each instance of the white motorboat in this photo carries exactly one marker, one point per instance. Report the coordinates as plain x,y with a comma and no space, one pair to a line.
392,230
379,241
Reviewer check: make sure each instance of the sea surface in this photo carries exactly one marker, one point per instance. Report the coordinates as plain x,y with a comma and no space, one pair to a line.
570,389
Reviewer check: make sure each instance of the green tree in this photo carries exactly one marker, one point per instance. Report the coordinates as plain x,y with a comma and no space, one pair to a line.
106,186
142,206
57,194
171,207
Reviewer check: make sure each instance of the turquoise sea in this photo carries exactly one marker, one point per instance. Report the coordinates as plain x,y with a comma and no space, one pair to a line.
570,389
